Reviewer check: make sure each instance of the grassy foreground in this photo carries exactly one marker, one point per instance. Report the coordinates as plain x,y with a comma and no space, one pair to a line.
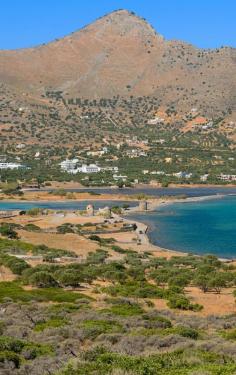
100,317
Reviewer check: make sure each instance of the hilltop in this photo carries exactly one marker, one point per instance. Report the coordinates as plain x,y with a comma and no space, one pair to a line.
121,54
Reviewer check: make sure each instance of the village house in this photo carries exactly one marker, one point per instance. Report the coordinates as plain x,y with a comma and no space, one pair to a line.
119,177
91,168
135,153
69,166
110,169
227,177
182,175
204,177
156,120
11,166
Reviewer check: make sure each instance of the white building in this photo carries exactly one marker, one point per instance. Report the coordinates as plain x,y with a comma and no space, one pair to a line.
91,168
96,153
155,121
11,166
135,153
110,169
20,146
160,173
69,166
227,177
182,175
204,177
119,177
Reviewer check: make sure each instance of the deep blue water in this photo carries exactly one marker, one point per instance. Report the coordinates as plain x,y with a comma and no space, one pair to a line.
206,227
72,205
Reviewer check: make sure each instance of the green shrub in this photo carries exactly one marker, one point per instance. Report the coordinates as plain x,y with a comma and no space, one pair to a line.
70,278
229,334
7,356
15,292
97,327
7,230
11,350
54,322
42,279
65,228
181,302
16,265
32,227
124,308
187,332
159,320
35,211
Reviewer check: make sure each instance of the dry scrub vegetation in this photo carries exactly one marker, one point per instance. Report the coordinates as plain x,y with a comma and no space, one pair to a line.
102,316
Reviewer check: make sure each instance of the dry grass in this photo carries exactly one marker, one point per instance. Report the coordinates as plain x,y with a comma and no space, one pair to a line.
6,274
220,304
69,241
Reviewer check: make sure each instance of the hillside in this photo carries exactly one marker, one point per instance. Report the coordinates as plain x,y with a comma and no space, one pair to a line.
155,105
121,54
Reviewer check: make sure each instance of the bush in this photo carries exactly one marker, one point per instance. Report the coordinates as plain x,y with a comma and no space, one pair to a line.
15,292
54,322
7,230
125,308
187,332
65,228
69,278
230,334
158,321
60,192
16,265
35,211
32,227
181,302
42,280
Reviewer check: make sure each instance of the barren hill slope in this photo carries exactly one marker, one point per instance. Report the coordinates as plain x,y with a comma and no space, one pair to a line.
122,54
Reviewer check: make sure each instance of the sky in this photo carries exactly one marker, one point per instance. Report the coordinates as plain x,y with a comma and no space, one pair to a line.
203,23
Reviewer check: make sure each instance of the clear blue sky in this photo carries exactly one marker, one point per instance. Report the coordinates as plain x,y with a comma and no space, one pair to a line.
204,23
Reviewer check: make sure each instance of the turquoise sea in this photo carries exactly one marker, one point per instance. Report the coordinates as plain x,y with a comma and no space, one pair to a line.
203,227
61,205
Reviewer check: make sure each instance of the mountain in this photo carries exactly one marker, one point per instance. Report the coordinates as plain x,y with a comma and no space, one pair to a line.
121,54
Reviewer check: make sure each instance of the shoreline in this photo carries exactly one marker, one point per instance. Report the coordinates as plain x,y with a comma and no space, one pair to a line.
78,186
155,206
113,198
189,200
142,228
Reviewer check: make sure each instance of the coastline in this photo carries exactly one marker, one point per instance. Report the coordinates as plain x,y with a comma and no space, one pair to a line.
187,200
142,228
154,206
79,186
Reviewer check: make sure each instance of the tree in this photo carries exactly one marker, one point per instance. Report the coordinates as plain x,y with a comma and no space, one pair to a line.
42,279
217,282
202,281
179,280
120,184
7,231
70,278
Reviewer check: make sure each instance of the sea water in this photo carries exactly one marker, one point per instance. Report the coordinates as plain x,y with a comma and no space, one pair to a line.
202,227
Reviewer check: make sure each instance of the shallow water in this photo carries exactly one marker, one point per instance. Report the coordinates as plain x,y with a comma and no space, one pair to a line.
72,205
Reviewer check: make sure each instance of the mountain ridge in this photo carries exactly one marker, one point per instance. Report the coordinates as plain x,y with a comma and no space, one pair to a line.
122,54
